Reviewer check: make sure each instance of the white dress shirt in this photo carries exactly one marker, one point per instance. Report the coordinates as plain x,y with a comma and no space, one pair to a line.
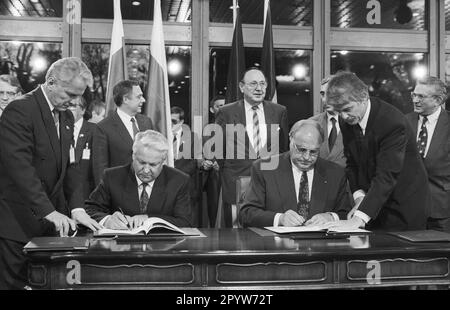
148,189
330,124
297,173
126,120
430,125
76,130
249,122
360,192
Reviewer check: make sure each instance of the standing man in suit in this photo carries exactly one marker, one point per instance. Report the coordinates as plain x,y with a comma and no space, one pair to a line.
333,148
186,157
9,90
252,137
431,125
82,144
304,189
113,139
386,174
37,196
142,189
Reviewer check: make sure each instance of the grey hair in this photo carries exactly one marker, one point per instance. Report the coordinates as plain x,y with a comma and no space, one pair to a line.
345,86
440,89
67,69
307,122
151,139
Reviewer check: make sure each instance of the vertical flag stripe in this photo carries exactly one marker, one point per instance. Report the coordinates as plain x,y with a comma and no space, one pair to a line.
237,61
117,59
268,55
157,106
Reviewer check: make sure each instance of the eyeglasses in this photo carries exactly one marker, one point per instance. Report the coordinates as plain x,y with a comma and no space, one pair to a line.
254,84
302,151
419,96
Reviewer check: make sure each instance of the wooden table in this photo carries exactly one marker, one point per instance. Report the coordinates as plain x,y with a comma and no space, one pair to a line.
242,259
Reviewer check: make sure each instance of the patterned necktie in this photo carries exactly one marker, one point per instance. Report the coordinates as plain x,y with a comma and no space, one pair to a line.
303,196
143,201
256,134
134,126
56,120
333,134
423,137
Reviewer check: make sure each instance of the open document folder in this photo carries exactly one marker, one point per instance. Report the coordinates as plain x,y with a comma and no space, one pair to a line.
313,228
151,226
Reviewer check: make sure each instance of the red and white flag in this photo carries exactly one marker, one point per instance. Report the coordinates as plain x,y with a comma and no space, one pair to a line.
117,70
157,106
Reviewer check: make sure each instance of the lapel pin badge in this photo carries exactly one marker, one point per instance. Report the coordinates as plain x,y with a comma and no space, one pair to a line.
81,135
67,127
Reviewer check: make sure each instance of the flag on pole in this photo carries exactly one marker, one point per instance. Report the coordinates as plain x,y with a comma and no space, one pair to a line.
117,70
236,66
157,93
268,56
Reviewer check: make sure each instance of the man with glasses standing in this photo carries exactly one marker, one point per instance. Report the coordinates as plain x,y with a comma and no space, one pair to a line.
431,124
386,174
303,190
9,90
256,129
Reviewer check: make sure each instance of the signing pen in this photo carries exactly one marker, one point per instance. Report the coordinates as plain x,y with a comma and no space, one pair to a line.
128,224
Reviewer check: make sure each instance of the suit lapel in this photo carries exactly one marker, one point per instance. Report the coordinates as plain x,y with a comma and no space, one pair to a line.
285,181
439,136
239,117
319,188
66,138
269,115
122,130
49,125
158,195
325,151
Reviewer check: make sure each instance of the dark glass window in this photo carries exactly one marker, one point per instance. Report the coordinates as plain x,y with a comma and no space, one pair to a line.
393,14
28,61
284,12
173,11
390,76
35,8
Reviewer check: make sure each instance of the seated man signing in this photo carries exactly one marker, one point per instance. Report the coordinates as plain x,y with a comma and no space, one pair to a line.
127,195
302,190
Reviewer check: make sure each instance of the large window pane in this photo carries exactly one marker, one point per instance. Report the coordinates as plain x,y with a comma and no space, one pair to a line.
293,71
398,14
447,79
42,8
173,11
284,12
447,15
28,61
390,76
96,57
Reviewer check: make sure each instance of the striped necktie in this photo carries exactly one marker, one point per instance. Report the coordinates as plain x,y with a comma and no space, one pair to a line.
256,134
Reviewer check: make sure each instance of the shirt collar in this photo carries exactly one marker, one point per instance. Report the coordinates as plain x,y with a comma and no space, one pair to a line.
50,105
78,123
365,119
248,106
329,117
124,116
433,117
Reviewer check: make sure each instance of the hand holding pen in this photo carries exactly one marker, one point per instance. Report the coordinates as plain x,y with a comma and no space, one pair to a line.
123,218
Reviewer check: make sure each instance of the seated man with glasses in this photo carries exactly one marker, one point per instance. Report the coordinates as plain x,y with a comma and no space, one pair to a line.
128,195
303,190
9,90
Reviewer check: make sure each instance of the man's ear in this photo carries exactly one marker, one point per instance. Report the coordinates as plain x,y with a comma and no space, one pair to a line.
51,82
241,87
211,110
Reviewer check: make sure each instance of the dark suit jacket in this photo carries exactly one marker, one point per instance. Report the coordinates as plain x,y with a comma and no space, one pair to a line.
389,170
437,164
112,144
231,169
33,166
118,188
337,152
273,191
85,168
